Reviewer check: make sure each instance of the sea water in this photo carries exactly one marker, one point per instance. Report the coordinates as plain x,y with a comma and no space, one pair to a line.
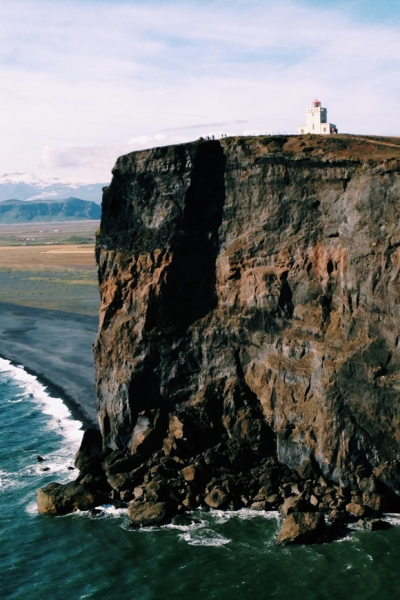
223,555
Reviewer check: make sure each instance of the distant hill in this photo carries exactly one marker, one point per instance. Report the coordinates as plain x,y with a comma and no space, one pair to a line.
30,211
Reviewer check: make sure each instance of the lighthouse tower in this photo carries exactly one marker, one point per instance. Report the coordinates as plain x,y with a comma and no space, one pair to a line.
317,121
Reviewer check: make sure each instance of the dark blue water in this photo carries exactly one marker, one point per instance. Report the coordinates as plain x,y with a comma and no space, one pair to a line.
224,556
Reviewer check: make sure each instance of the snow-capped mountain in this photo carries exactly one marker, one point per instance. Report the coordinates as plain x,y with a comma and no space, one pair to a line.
25,186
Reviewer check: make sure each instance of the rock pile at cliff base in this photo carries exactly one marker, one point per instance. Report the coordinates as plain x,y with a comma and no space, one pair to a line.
161,485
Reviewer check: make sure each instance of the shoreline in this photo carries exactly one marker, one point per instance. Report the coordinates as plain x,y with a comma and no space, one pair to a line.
55,347
56,391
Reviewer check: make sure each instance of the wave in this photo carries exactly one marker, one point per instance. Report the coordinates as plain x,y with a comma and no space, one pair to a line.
61,420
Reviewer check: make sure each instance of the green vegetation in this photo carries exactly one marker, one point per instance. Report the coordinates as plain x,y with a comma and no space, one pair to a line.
37,234
68,290
56,275
29,211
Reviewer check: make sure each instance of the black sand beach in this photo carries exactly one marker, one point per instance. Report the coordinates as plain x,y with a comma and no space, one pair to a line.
57,347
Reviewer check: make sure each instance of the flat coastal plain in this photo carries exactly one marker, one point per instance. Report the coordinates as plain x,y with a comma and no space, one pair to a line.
49,303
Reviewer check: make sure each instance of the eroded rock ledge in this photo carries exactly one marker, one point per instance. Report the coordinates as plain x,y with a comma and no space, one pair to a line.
248,349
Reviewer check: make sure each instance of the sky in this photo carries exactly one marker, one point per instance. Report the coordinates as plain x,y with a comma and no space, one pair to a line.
83,82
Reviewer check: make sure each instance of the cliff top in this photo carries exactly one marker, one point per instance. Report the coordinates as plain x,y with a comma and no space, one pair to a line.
369,148
329,147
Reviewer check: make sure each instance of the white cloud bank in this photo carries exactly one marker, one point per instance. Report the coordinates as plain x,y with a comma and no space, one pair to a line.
99,158
85,82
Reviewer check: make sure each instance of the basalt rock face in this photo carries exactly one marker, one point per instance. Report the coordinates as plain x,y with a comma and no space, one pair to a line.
250,312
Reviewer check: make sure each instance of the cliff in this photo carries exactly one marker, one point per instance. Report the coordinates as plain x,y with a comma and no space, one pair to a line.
249,322
252,290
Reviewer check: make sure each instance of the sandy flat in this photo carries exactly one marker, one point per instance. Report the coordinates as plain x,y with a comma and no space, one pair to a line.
67,251
47,257
57,347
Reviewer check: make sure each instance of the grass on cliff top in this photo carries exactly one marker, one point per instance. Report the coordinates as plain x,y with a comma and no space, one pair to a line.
56,276
340,147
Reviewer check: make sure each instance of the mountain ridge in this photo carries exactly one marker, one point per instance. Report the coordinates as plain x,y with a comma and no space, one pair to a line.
49,210
24,186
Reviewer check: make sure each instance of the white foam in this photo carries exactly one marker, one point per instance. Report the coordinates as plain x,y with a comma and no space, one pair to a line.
62,419
32,509
204,537
392,518
247,513
108,510
9,480
104,510
347,538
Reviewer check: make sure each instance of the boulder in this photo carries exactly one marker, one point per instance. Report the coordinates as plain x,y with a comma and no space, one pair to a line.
273,501
258,506
356,499
119,461
307,469
143,436
181,521
120,481
91,446
138,492
61,499
216,498
264,492
373,524
294,504
338,517
302,528
152,491
356,510
367,484
142,514
372,500
189,473
289,506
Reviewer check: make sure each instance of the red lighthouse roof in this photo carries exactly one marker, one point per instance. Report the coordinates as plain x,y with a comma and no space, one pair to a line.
316,103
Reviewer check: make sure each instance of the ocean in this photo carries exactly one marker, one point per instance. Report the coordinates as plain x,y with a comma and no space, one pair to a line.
224,555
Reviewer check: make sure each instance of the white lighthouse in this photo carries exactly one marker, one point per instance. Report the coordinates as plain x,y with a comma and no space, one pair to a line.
317,121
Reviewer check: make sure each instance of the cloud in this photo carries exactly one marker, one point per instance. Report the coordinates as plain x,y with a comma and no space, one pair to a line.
98,159
80,78
208,125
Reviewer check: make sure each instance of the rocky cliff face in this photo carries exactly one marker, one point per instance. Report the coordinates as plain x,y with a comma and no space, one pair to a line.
250,304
